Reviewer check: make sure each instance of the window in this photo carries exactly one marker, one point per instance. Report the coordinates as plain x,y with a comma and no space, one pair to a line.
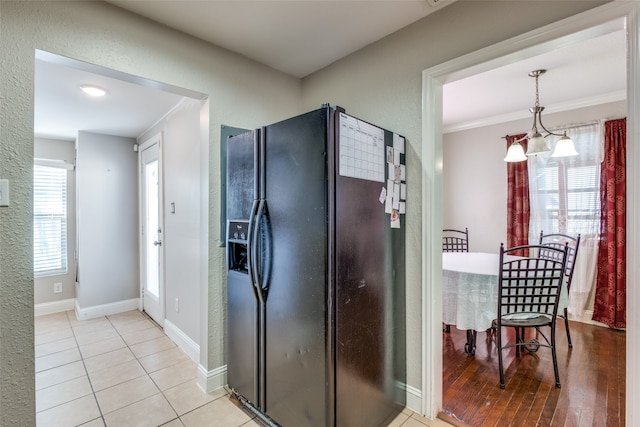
565,192
49,220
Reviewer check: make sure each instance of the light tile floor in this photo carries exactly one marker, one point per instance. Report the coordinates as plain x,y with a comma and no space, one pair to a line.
122,370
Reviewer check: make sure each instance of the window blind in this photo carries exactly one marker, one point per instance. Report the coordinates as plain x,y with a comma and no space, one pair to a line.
565,192
49,220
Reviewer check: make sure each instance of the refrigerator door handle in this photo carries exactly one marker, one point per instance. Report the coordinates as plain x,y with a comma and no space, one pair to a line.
259,266
250,248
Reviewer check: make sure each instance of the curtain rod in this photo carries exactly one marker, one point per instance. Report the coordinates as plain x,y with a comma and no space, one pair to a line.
577,125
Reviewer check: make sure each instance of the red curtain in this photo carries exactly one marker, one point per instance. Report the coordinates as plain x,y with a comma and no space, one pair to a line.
517,199
611,285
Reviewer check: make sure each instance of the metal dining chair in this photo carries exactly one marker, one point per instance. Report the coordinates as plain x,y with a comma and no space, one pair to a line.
528,295
558,240
454,241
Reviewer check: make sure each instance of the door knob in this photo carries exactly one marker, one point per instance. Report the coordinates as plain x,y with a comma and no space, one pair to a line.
157,243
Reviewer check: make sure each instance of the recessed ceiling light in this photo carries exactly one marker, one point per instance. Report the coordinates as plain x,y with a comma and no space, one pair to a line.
93,90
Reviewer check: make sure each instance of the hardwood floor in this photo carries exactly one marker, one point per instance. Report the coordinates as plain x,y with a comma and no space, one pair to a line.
592,375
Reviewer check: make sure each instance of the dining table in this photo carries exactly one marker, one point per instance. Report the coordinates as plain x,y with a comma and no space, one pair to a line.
470,292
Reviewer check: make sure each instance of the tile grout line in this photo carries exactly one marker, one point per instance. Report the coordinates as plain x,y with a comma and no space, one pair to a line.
72,325
86,371
146,373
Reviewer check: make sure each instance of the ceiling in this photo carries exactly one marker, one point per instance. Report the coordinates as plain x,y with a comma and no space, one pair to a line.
61,109
303,36
296,37
589,69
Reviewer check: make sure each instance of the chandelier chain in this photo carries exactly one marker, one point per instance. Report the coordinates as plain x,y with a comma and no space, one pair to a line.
537,95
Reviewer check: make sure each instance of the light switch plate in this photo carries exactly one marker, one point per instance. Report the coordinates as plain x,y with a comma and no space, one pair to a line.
4,192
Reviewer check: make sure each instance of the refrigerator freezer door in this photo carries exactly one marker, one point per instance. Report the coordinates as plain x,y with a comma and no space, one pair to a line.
296,318
366,306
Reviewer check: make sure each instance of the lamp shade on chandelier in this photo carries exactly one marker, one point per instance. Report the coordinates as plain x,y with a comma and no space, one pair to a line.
537,143
515,153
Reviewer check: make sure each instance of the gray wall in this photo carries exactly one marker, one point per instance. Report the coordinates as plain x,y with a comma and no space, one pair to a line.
53,149
107,218
182,232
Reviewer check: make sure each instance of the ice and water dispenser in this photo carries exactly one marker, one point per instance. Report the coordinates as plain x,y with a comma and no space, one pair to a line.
237,246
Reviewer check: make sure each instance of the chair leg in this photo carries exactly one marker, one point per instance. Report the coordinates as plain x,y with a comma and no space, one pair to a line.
499,341
553,355
519,339
566,326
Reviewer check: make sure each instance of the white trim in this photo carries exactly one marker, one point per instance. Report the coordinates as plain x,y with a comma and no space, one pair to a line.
54,163
212,380
158,317
587,318
210,319
106,309
581,26
431,252
54,307
556,108
633,217
183,341
413,396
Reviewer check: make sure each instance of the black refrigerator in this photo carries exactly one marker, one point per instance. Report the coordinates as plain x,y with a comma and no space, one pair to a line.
316,271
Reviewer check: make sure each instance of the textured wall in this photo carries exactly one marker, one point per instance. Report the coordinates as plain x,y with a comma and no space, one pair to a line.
241,93
17,405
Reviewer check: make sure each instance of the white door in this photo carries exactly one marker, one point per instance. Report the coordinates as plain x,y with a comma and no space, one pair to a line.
151,266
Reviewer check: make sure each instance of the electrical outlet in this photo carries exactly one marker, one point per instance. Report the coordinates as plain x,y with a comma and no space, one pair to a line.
176,305
57,288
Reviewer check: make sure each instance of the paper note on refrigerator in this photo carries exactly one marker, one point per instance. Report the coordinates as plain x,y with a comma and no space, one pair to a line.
396,196
398,143
362,150
383,195
395,219
388,205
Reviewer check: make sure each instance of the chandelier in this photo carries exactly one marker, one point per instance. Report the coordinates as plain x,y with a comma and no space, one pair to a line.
537,143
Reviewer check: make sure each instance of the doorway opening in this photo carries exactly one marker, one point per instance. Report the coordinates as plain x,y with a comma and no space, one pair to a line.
133,110
545,39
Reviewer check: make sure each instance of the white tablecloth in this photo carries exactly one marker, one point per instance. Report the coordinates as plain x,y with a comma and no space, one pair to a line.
470,289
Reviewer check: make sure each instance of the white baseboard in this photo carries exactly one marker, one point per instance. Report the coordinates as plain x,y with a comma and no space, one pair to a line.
413,396
587,318
106,309
212,380
54,307
183,341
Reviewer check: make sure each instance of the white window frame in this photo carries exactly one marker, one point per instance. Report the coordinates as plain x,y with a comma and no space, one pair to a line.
62,215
